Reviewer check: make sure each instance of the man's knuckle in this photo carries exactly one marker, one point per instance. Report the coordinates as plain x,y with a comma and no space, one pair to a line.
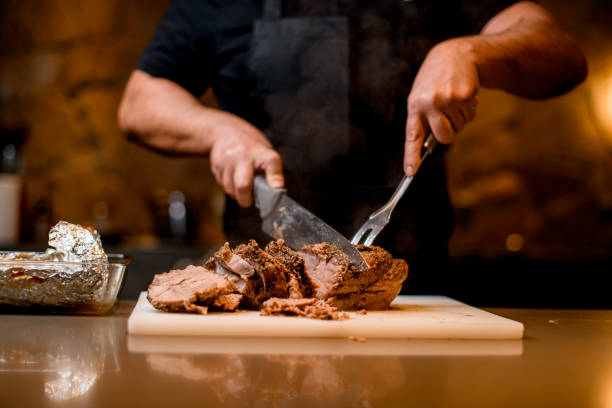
419,102
242,185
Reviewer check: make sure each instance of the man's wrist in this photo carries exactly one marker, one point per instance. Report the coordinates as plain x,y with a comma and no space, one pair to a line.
488,58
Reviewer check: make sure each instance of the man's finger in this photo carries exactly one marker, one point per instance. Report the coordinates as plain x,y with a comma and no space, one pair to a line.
455,117
243,183
441,127
228,182
415,135
270,162
468,111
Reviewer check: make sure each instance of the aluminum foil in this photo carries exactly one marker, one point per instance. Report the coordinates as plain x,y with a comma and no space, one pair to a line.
76,243
73,274
51,283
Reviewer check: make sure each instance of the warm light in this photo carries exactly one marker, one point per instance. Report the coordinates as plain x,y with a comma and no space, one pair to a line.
70,385
606,393
514,242
602,99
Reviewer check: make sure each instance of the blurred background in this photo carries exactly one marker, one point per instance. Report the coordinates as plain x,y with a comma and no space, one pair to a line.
531,181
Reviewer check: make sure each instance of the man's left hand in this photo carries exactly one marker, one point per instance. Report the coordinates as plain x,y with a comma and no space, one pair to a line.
443,98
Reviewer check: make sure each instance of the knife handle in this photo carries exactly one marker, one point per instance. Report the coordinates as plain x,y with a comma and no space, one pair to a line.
266,198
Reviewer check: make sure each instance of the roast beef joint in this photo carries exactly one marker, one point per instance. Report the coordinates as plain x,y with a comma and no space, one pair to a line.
317,281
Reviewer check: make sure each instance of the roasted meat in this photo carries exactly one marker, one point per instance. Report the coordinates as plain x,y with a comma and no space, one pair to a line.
305,307
192,289
241,273
314,282
377,287
299,284
273,274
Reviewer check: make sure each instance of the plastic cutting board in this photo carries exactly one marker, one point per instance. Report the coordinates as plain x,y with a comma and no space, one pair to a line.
409,317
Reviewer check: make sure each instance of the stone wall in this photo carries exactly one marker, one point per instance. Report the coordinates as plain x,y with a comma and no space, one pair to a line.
63,70
534,177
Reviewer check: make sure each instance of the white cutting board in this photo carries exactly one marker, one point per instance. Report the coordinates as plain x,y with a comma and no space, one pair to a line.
409,317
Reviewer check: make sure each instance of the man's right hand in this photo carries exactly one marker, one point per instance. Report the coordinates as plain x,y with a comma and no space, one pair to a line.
162,115
239,150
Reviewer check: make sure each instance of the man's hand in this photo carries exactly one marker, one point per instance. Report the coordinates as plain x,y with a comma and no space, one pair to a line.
238,151
162,115
521,50
443,98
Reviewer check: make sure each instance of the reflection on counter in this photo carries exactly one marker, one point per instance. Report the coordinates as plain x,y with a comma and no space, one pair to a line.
70,385
71,357
275,379
277,371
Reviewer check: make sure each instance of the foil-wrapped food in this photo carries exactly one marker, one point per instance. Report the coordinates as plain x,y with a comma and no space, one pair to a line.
74,276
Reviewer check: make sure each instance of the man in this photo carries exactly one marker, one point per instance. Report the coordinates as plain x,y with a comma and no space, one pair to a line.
333,99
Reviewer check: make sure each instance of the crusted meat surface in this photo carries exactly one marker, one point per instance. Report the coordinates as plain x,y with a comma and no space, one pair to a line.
273,274
191,289
379,285
227,303
240,272
314,282
335,277
305,307
299,284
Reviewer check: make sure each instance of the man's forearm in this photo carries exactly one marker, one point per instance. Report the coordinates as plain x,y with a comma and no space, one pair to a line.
524,51
165,117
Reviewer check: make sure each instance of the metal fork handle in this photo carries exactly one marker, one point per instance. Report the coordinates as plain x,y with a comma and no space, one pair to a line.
428,146
385,211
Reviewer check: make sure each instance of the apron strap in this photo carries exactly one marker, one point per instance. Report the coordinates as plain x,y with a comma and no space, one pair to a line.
275,9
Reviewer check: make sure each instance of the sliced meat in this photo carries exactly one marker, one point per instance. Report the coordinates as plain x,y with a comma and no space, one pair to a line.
299,284
380,294
346,289
305,307
314,282
238,270
227,303
191,289
333,274
273,274
230,261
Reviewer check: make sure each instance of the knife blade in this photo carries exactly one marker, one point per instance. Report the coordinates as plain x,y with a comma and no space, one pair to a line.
283,218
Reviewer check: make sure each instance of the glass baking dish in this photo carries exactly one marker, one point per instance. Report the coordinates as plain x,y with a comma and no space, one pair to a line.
35,282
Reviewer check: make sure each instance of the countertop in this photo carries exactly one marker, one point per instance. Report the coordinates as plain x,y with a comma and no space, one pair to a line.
565,360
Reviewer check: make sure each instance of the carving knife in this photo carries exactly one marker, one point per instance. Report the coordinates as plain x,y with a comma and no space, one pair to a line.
283,218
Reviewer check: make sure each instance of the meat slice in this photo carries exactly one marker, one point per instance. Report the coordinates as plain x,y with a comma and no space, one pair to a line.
191,289
225,257
333,275
305,307
227,303
379,295
273,274
240,272
388,273
299,284
336,280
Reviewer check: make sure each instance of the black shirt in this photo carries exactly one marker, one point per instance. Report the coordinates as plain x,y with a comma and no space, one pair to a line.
200,44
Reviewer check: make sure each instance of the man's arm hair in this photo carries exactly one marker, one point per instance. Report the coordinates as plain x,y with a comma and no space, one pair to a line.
525,51
164,116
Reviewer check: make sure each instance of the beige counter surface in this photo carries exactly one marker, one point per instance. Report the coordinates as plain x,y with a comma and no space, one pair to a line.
565,360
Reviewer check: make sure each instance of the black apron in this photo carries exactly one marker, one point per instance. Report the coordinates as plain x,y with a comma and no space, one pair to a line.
301,79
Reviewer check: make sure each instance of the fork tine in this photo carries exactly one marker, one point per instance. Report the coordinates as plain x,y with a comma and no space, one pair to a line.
379,218
360,233
371,237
